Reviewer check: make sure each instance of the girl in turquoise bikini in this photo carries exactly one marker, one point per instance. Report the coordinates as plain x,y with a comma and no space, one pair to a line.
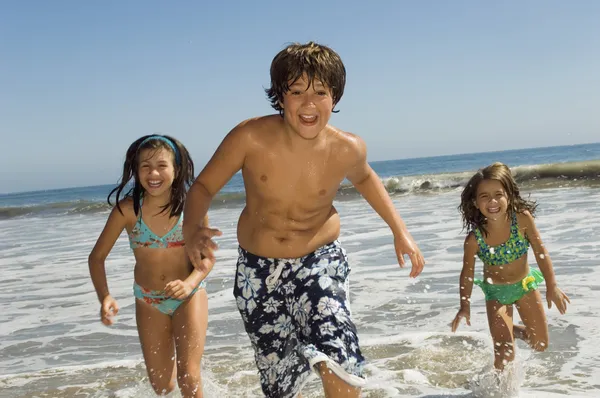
501,230
171,303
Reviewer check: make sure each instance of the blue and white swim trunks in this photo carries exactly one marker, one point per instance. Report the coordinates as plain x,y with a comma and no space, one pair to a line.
296,314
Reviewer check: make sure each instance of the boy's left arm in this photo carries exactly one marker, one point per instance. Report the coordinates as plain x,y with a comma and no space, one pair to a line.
553,293
369,185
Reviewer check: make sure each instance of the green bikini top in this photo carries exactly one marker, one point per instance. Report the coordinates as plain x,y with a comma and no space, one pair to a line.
514,248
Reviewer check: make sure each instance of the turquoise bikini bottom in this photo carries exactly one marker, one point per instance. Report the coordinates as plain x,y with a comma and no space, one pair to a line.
158,300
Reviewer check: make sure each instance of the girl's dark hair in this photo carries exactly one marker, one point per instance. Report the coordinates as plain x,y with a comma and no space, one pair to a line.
184,173
471,216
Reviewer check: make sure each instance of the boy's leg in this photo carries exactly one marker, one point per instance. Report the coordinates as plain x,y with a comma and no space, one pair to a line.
335,387
329,339
531,311
156,339
189,330
269,326
500,319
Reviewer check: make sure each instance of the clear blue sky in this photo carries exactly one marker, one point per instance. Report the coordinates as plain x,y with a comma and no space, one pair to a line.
80,80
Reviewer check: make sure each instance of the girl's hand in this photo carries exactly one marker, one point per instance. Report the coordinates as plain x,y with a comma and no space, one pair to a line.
462,313
108,310
178,289
556,296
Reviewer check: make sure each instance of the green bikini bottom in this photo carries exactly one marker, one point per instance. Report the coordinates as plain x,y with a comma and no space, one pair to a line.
509,294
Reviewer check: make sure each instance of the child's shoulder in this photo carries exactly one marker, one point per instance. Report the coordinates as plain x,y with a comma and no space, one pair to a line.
344,140
471,245
471,237
125,207
525,219
256,129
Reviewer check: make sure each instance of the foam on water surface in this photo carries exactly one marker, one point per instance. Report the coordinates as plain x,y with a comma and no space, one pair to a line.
53,345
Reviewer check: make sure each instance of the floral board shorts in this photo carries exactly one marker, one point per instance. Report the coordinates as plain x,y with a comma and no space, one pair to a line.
296,313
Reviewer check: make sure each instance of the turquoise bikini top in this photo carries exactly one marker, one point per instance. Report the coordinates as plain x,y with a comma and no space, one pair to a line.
514,248
142,236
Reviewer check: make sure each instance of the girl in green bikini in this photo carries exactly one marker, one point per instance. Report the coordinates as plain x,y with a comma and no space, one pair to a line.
501,229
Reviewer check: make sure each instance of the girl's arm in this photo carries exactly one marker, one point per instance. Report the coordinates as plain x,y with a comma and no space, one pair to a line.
114,226
553,293
466,281
468,271
539,250
181,290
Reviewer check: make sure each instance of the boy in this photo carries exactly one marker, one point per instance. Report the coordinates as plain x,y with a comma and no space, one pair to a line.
292,272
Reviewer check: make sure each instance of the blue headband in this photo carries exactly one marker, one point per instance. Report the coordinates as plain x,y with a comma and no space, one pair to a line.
167,141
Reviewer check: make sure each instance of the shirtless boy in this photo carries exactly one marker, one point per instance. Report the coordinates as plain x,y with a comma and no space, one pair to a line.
292,271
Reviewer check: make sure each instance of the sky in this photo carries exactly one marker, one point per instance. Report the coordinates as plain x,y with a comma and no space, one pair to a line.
81,80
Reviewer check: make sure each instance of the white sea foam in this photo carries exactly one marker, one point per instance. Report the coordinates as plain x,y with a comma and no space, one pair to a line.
51,338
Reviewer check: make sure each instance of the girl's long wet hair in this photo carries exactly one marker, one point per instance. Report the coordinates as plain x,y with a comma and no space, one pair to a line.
184,173
472,218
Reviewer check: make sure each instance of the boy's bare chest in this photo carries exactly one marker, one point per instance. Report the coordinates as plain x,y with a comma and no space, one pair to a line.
284,177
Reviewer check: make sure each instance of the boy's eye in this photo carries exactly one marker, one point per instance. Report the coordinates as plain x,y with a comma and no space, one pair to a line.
295,92
322,93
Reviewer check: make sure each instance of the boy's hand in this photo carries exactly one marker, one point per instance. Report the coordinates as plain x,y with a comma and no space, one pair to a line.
201,248
462,313
556,296
405,244
178,289
108,310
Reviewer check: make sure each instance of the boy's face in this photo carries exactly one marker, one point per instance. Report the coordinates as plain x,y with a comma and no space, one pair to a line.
307,109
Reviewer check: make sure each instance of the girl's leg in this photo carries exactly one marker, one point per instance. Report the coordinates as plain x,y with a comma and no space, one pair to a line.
189,329
155,331
500,319
531,311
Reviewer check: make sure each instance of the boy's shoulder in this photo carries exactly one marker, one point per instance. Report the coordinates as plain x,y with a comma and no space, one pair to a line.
256,128
344,142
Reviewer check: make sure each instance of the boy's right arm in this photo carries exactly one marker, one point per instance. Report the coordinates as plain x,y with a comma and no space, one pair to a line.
466,280
225,162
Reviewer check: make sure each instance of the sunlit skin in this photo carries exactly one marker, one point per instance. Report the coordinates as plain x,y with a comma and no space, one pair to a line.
172,345
493,203
292,168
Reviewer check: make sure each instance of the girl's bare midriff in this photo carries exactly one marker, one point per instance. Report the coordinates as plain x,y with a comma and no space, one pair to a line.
508,273
155,268
286,232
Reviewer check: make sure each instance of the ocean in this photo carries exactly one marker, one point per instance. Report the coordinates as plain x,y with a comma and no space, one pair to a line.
52,343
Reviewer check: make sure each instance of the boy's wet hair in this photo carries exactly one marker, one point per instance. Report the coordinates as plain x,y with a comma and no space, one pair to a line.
317,61
471,216
184,172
